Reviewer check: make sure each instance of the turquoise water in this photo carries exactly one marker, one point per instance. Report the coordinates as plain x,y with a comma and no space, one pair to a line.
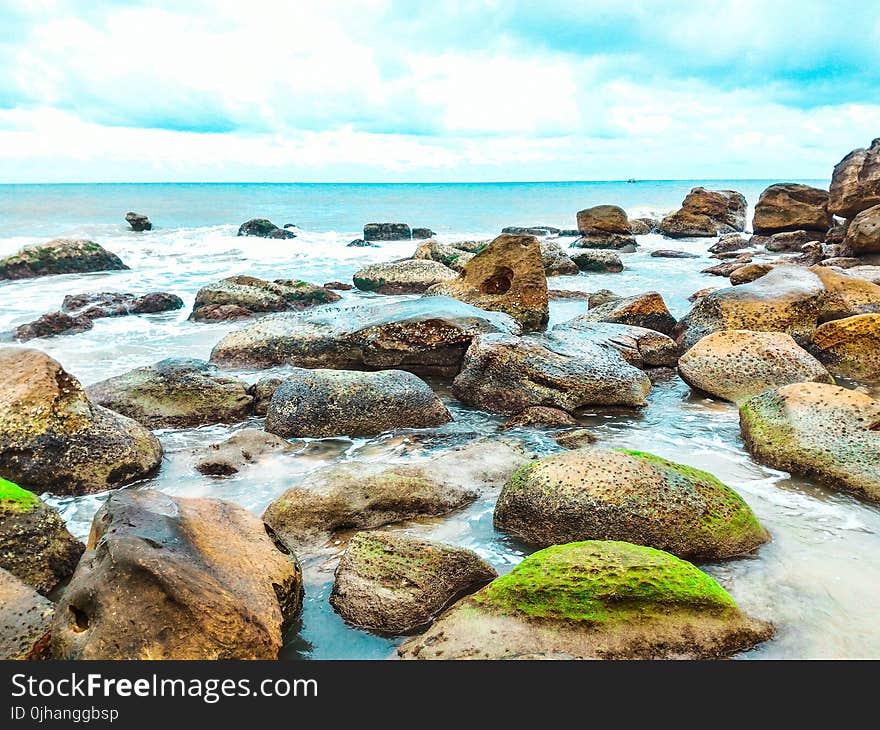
819,579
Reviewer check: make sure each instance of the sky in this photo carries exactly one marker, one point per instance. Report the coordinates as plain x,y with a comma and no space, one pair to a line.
448,90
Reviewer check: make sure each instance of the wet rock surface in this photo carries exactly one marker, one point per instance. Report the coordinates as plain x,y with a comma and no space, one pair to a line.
243,449
706,213
61,256
240,297
264,228
25,620
410,276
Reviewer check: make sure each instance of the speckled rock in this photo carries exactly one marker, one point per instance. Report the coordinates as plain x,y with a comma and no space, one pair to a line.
25,620
792,207
749,273
361,496
61,256
540,417
171,578
598,260
53,438
262,392
506,276
425,336
665,253
453,258
175,393
646,310
640,347
410,276
641,226
849,347
241,450
823,432
736,365
556,261
863,233
602,296
575,438
706,213
264,228
845,296
597,600
505,374
597,494
318,403
35,545
250,296
395,584
855,183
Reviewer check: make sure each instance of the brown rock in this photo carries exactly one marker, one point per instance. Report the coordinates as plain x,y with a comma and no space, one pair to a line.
603,219
849,347
642,310
540,417
25,620
706,213
791,207
863,233
51,324
855,183
242,449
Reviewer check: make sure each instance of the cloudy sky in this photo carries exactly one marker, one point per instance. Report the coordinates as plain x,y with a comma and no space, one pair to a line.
331,90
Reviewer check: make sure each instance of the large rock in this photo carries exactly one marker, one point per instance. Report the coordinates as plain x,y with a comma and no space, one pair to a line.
318,403
598,260
506,374
597,600
62,256
846,296
736,365
117,304
239,297
597,494
243,449
171,578
604,226
787,241
263,228
820,431
424,336
449,256
53,438
387,232
849,347
35,545
138,222
395,584
422,233
730,242
410,276
51,324
639,346
787,299
792,207
705,213
556,261
641,310
174,393
25,620
361,496
855,183
506,276
749,273
863,233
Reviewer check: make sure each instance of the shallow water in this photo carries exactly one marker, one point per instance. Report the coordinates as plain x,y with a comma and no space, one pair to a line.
818,580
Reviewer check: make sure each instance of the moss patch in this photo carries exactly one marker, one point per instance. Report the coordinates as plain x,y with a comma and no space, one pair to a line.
15,498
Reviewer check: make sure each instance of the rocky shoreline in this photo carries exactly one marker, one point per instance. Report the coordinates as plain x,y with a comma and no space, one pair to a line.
613,535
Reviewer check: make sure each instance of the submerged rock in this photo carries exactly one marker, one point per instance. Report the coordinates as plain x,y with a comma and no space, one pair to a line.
410,276
174,393
598,260
318,403
424,336
387,232
51,324
262,392
171,578
730,242
242,449
395,584
863,233
849,347
706,213
506,276
597,494
244,296
25,620
138,222
537,231
361,496
263,228
792,207
422,233
61,256
575,438
820,431
662,253
118,304
541,417
736,365
505,374
338,286
855,183
53,438
594,599
646,310
361,243
35,545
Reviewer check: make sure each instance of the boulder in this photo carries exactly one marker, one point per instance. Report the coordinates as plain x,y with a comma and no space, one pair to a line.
263,228
138,222
846,296
855,182
663,253
454,258
849,347
786,241
506,374
863,233
242,449
319,403
600,494
395,584
51,324
424,336
730,242
598,260
540,417
640,347
174,393
841,262
556,261
728,267
25,620
736,365
338,286
262,392
792,207
422,233
575,438
642,310
700,293
644,225
506,276
35,545
239,297
820,431
749,273
596,600
360,496
117,304
600,297
706,213
623,242
410,276
603,219
53,438
387,232
171,578
361,243
61,256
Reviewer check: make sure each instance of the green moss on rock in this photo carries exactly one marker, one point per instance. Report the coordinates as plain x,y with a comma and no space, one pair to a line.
13,497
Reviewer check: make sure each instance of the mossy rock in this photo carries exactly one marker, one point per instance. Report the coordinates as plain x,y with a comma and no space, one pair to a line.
15,499
61,256
395,584
600,494
593,599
